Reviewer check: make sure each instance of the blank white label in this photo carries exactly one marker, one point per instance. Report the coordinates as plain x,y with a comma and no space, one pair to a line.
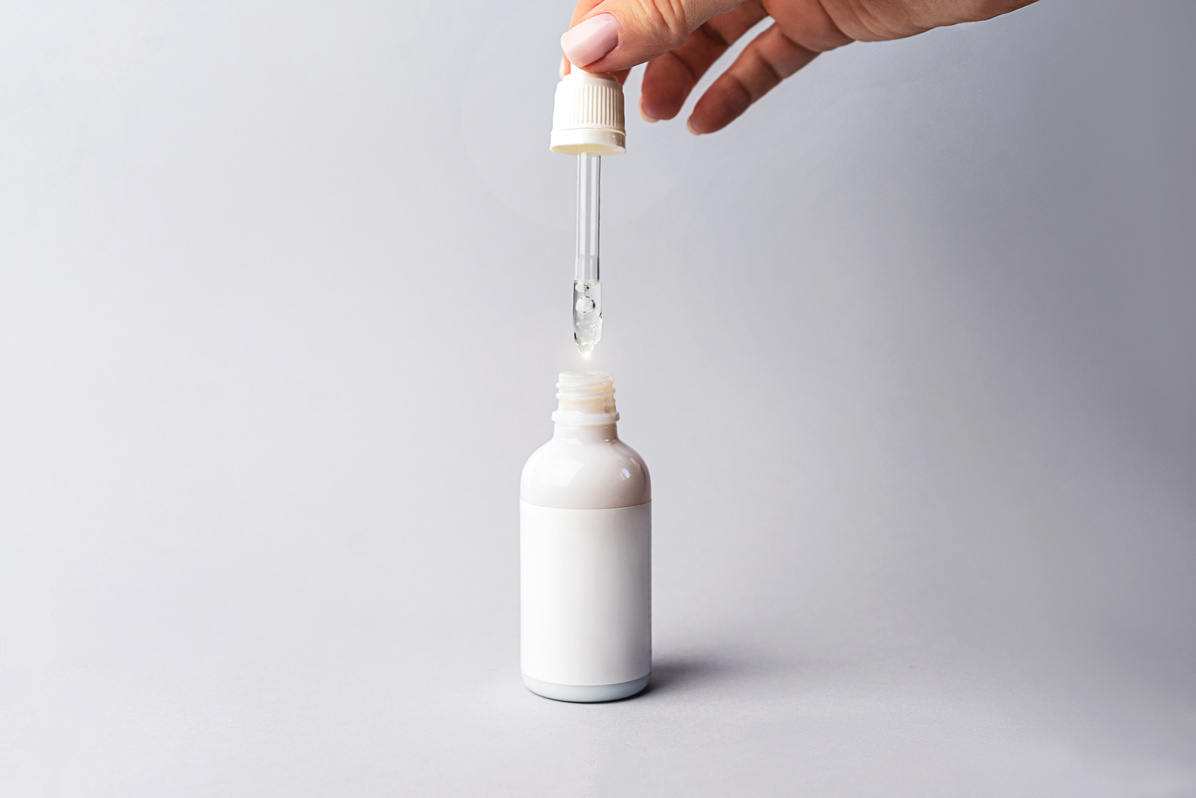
585,594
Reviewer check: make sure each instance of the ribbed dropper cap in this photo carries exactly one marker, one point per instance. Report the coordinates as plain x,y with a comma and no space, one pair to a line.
587,115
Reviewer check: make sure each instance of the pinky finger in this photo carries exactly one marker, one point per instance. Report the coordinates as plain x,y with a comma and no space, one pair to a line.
766,61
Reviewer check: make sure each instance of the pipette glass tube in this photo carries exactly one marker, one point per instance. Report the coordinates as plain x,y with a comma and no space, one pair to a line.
587,291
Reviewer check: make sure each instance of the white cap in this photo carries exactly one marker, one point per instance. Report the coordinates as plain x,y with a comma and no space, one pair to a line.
588,115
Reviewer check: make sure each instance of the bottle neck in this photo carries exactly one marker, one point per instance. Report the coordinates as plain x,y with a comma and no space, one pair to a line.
589,433
586,402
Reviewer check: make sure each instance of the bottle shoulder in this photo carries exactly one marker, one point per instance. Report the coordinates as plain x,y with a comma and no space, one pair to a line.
585,475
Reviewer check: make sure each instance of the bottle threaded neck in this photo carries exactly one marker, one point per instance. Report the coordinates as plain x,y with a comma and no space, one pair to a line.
585,398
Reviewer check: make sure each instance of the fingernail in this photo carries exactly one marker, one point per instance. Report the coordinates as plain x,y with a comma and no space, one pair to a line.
588,41
689,123
644,115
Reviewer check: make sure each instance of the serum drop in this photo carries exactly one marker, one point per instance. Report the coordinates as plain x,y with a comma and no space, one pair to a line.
585,552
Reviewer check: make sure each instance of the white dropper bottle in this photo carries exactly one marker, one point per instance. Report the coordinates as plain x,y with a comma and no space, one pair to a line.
587,121
585,553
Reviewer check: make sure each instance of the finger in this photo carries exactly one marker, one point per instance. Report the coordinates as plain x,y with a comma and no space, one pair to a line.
766,61
618,34
670,78
582,10
579,12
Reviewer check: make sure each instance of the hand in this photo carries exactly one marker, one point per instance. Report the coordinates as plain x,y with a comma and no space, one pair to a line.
682,38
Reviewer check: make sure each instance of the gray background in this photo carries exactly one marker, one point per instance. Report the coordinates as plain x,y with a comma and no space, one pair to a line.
284,288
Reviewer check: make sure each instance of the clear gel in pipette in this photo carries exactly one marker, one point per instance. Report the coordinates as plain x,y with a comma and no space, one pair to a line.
587,288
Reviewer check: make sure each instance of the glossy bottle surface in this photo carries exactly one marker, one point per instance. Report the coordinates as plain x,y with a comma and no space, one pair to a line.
585,468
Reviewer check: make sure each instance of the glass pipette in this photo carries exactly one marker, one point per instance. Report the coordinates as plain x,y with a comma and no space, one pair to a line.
587,291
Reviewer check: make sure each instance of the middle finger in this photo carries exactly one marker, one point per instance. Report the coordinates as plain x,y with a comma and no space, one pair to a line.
669,78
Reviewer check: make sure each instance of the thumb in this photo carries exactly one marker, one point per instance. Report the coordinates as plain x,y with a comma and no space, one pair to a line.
618,34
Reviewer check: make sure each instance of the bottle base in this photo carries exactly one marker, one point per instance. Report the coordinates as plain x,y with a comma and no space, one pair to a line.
586,693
